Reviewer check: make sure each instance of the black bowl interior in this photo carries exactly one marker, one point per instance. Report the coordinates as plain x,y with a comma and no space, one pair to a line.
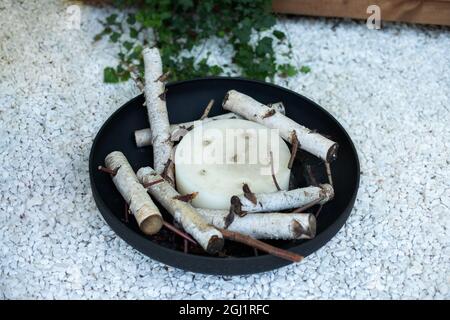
186,101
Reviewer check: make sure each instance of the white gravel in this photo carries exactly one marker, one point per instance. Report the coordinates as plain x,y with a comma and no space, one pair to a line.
389,88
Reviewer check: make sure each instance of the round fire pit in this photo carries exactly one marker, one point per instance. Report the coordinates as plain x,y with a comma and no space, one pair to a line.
185,102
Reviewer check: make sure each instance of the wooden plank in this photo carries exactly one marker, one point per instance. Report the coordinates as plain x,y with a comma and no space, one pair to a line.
416,11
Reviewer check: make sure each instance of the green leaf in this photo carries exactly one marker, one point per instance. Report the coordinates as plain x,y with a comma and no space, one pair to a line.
131,19
125,76
279,35
110,75
128,45
264,46
114,37
287,70
134,33
305,69
111,19
182,25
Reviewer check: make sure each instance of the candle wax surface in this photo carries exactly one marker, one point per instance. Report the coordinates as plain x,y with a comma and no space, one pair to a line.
215,159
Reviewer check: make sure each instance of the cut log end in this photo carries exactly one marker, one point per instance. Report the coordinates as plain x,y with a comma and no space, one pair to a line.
215,244
327,193
149,221
332,153
151,225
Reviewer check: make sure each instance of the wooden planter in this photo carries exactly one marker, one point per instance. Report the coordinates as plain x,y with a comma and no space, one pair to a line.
416,11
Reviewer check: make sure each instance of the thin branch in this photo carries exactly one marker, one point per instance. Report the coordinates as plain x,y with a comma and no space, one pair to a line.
163,77
207,110
294,143
273,172
165,173
238,237
149,184
185,246
312,179
108,170
328,168
318,211
308,205
178,232
126,212
186,197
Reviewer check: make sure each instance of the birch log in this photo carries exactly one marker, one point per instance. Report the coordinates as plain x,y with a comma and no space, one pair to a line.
139,202
143,137
156,108
253,110
286,226
282,200
184,213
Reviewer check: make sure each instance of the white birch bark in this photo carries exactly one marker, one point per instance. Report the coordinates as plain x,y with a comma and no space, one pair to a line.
282,200
184,213
157,109
143,137
286,226
140,204
253,110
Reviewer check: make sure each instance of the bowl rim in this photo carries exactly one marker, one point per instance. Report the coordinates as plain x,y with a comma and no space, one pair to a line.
109,217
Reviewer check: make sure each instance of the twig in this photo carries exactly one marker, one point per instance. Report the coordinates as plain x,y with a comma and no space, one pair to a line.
178,232
207,110
165,173
307,206
273,172
185,246
238,237
108,170
318,211
328,168
186,197
149,184
163,77
312,179
249,194
294,143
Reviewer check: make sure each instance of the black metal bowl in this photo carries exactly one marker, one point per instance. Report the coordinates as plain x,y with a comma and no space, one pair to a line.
186,101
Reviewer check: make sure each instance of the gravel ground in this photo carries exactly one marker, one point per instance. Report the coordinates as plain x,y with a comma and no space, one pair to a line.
389,88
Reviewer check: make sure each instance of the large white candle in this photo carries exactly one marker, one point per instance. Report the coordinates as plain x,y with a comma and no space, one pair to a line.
215,159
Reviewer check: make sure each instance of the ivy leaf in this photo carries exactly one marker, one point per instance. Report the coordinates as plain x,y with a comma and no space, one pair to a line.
182,25
264,22
134,33
111,19
287,70
114,37
279,35
305,69
128,45
264,46
110,75
131,19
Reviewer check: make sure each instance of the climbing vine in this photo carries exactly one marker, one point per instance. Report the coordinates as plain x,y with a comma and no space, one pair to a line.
178,27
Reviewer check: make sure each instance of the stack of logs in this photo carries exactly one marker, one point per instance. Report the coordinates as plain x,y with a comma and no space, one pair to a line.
251,216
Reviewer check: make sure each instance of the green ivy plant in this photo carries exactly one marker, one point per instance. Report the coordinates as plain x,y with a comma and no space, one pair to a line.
177,26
